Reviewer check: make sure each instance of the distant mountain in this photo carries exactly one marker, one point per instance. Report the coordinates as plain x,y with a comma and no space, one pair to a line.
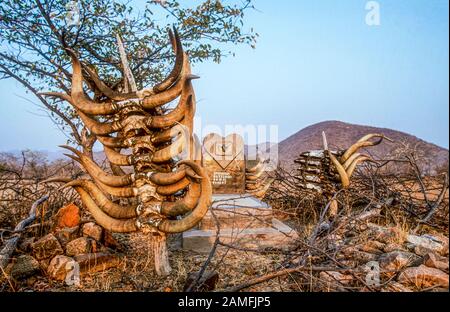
341,135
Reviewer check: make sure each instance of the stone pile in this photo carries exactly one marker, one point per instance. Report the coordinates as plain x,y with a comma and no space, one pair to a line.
72,248
402,262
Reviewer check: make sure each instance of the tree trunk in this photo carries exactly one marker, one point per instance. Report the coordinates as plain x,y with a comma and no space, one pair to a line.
160,254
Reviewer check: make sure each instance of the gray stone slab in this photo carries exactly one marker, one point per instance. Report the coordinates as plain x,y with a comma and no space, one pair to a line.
278,235
233,201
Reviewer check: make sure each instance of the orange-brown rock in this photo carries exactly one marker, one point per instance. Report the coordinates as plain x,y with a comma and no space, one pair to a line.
423,277
68,216
435,261
92,230
79,246
46,247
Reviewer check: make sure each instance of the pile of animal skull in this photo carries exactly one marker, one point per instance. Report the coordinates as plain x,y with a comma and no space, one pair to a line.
167,194
325,171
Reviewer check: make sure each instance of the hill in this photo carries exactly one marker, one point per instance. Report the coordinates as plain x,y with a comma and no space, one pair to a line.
341,135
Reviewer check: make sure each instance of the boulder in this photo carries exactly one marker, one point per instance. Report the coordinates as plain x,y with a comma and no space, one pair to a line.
428,243
24,267
92,230
372,246
357,255
59,267
387,234
27,244
397,260
47,247
78,246
423,277
67,216
434,261
66,234
393,247
207,282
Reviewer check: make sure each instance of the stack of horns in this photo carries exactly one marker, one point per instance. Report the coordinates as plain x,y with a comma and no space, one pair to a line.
167,190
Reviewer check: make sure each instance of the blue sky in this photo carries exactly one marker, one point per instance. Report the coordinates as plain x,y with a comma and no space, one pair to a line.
314,61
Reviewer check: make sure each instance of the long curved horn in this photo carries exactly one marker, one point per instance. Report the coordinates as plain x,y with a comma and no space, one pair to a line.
345,181
107,206
168,178
355,162
95,171
349,161
174,149
174,75
183,206
79,98
126,192
171,118
174,188
99,128
363,142
163,86
112,142
195,216
152,101
106,90
107,222
167,135
116,158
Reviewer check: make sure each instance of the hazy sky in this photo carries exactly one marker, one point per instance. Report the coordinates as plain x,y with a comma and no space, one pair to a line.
314,61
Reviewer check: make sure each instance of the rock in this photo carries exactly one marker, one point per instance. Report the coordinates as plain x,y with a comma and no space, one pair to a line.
46,247
334,281
24,267
96,262
66,234
445,242
387,234
393,247
357,255
396,287
433,261
78,246
207,282
423,277
67,216
27,243
426,243
371,246
59,267
92,230
397,260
